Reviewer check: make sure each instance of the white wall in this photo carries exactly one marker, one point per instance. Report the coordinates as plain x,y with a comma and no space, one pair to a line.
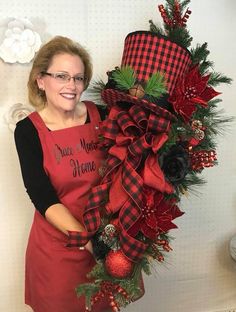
199,275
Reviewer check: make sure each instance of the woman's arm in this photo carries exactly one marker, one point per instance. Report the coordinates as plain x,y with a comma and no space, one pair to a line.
60,217
37,183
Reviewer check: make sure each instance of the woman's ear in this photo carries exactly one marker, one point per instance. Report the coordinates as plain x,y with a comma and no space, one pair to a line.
40,82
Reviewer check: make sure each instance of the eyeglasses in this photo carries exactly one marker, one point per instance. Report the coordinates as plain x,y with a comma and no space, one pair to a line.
65,78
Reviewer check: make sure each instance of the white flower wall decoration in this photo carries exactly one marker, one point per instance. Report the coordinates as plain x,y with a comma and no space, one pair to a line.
20,42
16,113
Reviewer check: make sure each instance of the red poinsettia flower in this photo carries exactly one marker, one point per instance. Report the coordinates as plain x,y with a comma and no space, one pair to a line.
190,91
157,215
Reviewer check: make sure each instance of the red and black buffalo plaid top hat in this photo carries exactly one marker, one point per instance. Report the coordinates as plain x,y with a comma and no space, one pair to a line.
147,53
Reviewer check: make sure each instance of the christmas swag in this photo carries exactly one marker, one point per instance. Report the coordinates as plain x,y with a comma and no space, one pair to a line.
159,136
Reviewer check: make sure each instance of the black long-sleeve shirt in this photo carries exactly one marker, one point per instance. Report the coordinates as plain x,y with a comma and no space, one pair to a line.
30,153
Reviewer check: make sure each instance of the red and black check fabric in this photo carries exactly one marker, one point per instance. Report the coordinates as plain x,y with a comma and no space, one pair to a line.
146,53
77,239
131,133
112,96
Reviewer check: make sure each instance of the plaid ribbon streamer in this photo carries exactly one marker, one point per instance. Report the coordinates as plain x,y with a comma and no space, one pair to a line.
130,133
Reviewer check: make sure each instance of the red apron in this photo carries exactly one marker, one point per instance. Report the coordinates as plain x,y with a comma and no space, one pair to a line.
71,160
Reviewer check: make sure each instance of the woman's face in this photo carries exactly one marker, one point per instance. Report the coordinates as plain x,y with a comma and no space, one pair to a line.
62,94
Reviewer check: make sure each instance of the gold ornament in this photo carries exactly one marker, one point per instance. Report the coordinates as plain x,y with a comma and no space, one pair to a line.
137,91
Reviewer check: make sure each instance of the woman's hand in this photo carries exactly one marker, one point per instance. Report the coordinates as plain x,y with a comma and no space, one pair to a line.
60,217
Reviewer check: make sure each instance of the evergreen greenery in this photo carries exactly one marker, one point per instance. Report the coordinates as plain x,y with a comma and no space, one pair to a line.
177,34
190,184
213,122
95,91
157,30
180,36
124,77
199,53
218,78
156,85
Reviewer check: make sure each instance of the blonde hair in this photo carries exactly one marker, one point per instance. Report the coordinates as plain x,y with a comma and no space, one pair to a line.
57,45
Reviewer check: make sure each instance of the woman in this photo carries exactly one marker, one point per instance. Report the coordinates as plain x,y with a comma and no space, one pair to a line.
60,159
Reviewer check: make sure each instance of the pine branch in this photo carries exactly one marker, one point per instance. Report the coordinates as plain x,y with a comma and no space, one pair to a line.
215,122
191,181
204,67
171,6
87,290
207,144
220,124
180,36
121,300
155,29
145,266
156,85
199,53
97,85
184,5
98,272
95,90
211,104
218,78
132,284
124,78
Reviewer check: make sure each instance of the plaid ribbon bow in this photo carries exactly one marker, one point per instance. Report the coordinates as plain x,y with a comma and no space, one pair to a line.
135,135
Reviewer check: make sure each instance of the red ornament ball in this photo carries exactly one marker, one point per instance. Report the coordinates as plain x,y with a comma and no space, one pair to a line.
118,265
